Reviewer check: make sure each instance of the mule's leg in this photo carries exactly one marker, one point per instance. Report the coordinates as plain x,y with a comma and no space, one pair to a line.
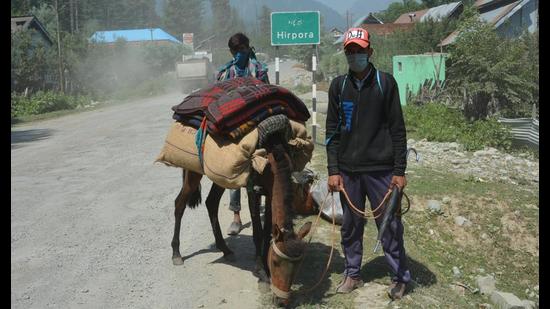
191,182
266,233
254,207
254,200
212,204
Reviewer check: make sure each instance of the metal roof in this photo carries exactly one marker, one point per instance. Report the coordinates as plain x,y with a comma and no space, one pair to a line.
361,20
25,22
133,35
511,12
482,2
494,17
405,19
439,12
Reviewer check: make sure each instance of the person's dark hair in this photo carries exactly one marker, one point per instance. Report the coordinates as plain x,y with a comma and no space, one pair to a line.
237,39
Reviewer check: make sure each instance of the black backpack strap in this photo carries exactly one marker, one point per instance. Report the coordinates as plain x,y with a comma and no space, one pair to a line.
381,81
340,110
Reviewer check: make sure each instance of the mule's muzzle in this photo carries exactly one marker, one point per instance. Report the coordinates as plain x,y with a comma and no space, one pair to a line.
279,301
280,297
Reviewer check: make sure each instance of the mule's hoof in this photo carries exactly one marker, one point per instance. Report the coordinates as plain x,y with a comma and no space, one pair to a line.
230,257
177,261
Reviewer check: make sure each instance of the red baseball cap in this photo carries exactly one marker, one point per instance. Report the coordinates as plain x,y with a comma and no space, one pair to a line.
358,36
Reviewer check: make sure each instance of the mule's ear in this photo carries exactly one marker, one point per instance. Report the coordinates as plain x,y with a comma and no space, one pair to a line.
304,230
277,233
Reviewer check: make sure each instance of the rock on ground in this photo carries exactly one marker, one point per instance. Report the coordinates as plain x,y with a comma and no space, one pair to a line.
529,304
486,284
461,221
504,300
496,165
434,206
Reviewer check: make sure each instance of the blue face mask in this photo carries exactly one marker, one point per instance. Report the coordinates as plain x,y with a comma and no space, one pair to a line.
357,62
241,59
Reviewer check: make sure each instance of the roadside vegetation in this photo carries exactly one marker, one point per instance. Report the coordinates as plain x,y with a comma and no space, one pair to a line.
439,123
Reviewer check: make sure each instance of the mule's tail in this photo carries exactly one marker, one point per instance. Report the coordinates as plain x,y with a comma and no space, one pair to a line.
195,198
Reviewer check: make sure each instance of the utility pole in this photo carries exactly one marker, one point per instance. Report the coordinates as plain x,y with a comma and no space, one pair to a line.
60,59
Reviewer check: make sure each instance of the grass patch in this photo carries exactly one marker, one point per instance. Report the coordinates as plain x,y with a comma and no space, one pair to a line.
438,123
60,113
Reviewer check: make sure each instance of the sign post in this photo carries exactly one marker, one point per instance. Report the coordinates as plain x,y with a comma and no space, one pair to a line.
188,39
298,28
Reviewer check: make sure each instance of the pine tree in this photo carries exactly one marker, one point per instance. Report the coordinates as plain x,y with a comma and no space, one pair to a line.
182,16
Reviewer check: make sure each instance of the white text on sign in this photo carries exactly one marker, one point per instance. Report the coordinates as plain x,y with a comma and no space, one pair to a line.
294,35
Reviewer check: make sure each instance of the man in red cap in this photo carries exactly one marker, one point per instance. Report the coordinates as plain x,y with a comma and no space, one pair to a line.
366,153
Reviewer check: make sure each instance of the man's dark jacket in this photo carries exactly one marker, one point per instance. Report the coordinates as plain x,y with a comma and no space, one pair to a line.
377,138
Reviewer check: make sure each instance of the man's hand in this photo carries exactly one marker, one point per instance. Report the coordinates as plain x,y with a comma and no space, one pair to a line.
335,183
400,181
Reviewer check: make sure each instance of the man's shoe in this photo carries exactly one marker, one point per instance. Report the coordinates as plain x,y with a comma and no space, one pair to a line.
234,228
397,290
348,285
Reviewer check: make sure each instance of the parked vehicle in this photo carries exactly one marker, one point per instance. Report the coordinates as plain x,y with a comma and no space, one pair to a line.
195,71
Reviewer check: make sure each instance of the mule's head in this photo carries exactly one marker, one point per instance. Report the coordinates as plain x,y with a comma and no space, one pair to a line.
285,254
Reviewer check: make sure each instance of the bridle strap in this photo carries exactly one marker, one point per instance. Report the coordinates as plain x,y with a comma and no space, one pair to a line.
280,253
279,293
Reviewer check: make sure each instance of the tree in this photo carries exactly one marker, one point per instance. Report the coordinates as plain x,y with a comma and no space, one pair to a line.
182,16
226,22
32,62
493,75
262,39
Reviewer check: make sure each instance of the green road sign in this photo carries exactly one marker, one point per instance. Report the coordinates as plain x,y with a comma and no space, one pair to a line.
295,28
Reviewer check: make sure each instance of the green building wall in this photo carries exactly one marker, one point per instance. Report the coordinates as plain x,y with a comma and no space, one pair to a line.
410,72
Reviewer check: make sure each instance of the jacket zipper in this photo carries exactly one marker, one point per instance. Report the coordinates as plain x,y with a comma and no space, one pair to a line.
356,127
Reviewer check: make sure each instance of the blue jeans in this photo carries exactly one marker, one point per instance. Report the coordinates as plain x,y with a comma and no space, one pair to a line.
374,185
235,200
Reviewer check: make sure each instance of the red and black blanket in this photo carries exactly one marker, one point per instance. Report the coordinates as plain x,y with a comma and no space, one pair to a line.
234,107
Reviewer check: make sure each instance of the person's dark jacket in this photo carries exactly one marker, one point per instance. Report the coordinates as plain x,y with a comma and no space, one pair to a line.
376,138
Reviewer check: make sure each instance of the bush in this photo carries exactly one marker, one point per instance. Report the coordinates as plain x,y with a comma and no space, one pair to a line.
493,75
43,102
436,122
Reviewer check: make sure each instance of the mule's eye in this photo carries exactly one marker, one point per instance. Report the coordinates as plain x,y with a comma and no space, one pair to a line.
276,263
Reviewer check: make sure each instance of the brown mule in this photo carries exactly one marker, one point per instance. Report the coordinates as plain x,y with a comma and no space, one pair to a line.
277,259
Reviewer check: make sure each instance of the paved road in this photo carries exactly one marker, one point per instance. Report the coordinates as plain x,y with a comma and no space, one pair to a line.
92,218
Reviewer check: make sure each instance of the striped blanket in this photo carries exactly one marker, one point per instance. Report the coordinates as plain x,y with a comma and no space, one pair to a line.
235,107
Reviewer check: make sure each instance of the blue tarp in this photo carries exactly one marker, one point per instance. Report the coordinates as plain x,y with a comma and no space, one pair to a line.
133,35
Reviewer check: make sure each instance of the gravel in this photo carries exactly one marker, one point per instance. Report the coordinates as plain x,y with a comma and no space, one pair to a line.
92,218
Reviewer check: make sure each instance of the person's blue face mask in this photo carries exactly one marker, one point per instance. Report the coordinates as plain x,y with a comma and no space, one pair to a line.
358,62
241,59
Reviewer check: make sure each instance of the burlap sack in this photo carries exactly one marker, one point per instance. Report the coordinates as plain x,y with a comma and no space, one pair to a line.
302,145
226,163
179,149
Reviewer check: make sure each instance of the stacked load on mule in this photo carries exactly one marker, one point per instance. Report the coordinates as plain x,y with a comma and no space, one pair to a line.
235,107
197,143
